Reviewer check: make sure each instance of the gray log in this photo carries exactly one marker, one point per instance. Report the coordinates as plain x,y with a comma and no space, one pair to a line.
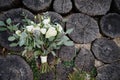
62,6
85,28
93,7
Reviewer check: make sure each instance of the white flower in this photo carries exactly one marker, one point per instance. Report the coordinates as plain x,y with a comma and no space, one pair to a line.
51,32
29,28
47,26
18,32
46,21
43,30
59,27
36,28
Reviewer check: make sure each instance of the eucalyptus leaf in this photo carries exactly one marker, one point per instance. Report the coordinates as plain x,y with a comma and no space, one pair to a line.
11,38
68,43
69,31
22,42
53,53
3,29
65,38
9,21
2,23
51,38
13,44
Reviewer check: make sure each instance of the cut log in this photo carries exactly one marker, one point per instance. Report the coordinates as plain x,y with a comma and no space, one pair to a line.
67,53
85,28
13,67
93,7
62,72
16,16
48,76
37,5
85,60
8,4
110,25
109,72
62,6
106,50
117,4
56,18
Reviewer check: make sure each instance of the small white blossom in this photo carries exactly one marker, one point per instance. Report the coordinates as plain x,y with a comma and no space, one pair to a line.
43,30
59,27
46,21
47,26
36,28
18,32
29,28
51,32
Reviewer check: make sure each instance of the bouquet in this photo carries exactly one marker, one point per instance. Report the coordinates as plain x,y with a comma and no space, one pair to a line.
38,38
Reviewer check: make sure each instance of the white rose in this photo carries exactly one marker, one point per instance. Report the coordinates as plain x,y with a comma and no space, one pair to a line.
18,32
51,32
43,30
29,28
36,28
59,27
47,26
46,21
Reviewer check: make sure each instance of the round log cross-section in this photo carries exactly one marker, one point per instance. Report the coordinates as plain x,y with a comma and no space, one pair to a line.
110,25
93,7
106,50
16,17
109,72
13,67
62,6
85,28
8,4
37,5
85,60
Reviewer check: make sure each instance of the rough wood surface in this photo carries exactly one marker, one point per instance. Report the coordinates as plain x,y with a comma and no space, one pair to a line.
110,25
62,6
13,67
56,18
85,28
62,72
106,50
85,60
67,53
117,4
37,5
16,16
109,72
8,4
93,7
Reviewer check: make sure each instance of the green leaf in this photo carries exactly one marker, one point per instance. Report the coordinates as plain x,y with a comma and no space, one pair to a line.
65,38
13,44
68,43
69,31
9,21
2,23
21,42
53,53
24,52
51,38
3,29
60,43
11,38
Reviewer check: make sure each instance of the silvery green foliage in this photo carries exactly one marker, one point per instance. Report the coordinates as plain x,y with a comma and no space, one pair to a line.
41,38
